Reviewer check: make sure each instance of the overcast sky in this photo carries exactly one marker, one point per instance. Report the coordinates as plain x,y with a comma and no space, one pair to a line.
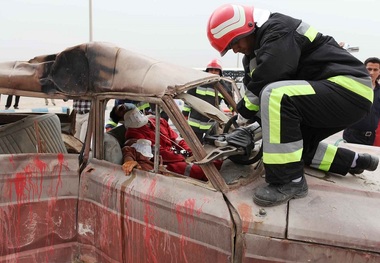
169,30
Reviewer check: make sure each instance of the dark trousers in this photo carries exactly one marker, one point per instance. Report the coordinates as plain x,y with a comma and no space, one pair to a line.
9,101
358,136
296,117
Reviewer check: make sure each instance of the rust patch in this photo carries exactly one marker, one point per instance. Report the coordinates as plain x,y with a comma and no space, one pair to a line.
245,212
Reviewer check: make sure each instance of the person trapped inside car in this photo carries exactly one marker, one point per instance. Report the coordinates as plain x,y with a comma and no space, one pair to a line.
137,153
173,149
305,88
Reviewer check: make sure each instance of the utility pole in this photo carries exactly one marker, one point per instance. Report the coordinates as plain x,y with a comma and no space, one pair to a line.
90,19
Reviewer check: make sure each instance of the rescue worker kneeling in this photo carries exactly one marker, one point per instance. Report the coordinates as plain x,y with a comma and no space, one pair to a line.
173,148
304,87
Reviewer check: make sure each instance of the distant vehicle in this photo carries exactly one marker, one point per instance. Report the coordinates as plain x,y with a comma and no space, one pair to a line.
236,74
61,205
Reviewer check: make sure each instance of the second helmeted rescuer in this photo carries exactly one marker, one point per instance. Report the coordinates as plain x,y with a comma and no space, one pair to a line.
197,121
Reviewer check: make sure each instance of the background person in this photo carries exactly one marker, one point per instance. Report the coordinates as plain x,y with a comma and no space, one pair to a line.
82,108
47,101
364,131
9,102
280,54
198,122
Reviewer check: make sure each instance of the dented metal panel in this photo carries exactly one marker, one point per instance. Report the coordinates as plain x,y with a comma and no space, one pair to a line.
336,222
149,217
38,205
260,249
339,210
268,221
332,214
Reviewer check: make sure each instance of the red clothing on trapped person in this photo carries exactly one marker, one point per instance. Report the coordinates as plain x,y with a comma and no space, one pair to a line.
170,145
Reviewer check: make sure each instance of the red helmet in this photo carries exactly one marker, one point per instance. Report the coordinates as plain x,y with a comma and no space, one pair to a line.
215,63
229,23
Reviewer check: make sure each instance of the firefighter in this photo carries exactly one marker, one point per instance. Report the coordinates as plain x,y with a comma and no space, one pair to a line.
198,122
305,88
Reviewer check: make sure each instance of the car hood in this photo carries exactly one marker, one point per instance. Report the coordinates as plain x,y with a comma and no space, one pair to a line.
338,212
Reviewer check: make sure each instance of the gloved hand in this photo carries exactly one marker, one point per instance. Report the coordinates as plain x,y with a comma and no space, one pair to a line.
241,120
129,165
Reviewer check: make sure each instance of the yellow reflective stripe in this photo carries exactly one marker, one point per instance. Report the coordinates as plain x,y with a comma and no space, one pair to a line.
275,107
249,105
199,125
186,109
194,124
204,127
282,158
311,33
112,123
328,158
143,106
251,73
353,86
205,92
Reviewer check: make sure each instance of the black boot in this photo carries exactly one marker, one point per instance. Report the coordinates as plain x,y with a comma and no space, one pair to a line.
275,194
365,161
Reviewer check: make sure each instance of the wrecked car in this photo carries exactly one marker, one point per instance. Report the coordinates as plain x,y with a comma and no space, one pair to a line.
59,205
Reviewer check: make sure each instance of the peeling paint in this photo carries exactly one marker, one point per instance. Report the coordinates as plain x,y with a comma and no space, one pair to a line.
245,211
84,229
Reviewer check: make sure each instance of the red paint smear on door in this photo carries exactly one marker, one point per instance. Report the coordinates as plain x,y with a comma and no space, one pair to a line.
41,166
185,216
29,188
149,217
61,160
11,160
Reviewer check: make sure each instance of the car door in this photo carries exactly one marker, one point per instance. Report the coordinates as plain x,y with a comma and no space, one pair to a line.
38,205
39,183
149,217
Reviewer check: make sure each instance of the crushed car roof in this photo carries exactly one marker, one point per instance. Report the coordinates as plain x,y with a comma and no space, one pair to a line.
99,67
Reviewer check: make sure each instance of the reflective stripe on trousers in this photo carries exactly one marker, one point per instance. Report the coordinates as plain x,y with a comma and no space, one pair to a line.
294,110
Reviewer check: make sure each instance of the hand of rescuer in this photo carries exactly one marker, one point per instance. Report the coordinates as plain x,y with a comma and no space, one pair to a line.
129,165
